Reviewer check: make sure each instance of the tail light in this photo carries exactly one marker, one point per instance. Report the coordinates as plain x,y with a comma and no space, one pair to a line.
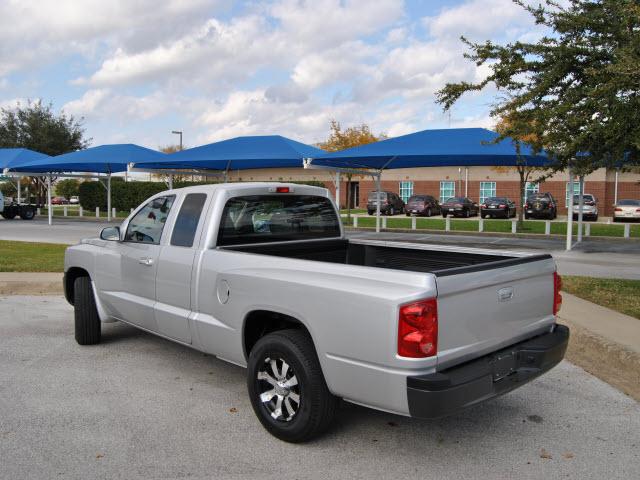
527,205
557,297
619,210
638,210
418,329
551,205
502,206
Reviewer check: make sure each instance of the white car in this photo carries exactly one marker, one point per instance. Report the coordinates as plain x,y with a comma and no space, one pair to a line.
589,207
627,210
74,201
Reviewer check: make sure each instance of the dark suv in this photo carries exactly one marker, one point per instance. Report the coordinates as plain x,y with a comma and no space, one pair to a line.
422,205
541,205
390,203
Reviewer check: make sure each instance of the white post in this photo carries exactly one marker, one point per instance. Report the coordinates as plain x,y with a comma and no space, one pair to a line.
19,190
378,203
355,221
171,181
466,181
131,210
113,212
514,225
627,230
481,225
97,212
80,211
64,211
569,213
587,229
413,223
49,211
109,198
580,207
384,222
38,212
547,227
338,189
447,224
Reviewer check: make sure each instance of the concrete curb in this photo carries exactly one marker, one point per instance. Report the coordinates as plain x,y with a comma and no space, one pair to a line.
31,283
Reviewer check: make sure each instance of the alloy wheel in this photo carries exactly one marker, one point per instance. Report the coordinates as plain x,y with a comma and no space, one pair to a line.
278,389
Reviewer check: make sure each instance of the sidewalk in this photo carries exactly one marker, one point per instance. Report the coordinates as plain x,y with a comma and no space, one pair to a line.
30,283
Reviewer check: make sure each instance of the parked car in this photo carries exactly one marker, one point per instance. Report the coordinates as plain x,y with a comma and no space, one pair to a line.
498,207
11,210
74,200
422,205
541,205
589,207
460,207
390,203
261,275
59,201
626,210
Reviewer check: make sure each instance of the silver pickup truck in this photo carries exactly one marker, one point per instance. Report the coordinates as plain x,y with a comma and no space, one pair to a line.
261,275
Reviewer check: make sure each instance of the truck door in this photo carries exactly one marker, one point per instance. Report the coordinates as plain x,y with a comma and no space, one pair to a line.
140,250
176,270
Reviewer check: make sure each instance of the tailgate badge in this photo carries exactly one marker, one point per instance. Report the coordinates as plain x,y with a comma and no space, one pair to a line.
505,294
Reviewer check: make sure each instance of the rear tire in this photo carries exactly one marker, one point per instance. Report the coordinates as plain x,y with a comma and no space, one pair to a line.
9,215
27,214
428,212
273,394
87,322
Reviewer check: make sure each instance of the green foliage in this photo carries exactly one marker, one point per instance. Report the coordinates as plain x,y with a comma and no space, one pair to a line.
8,189
67,188
37,127
351,137
92,195
573,91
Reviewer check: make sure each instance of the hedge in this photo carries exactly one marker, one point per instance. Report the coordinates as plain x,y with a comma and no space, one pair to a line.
128,195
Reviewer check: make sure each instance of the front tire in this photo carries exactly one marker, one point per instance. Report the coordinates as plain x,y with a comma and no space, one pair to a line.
28,214
287,389
87,322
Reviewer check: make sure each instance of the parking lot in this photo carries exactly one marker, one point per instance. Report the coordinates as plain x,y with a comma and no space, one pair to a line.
138,406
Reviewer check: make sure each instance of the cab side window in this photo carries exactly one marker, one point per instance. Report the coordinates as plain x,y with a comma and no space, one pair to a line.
146,226
186,225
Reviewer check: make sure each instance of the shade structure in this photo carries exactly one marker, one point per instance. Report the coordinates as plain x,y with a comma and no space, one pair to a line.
101,159
11,157
240,153
434,148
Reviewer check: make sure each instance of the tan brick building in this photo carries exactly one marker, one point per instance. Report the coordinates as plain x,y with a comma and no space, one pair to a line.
442,182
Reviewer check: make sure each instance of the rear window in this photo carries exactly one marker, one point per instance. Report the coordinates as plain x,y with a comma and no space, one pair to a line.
418,198
277,218
585,198
372,196
629,203
455,200
496,199
539,196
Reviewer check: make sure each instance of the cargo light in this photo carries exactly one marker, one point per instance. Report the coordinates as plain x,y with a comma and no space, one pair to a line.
282,189
418,329
557,297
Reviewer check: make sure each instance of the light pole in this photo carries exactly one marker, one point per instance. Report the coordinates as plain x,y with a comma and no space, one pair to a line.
179,132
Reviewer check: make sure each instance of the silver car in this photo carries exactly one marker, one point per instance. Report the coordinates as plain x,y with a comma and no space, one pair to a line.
627,210
589,207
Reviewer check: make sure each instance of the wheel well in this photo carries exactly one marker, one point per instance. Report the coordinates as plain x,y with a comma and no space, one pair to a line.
259,323
69,281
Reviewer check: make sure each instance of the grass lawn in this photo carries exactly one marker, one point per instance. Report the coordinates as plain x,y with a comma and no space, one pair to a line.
31,257
620,295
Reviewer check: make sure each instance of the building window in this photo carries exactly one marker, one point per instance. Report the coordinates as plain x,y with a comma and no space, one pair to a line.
531,188
487,189
406,190
447,190
576,191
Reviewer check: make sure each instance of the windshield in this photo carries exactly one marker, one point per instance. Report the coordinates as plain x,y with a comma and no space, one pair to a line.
277,218
629,203
586,198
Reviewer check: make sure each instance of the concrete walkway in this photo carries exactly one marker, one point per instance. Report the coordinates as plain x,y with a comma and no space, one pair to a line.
30,283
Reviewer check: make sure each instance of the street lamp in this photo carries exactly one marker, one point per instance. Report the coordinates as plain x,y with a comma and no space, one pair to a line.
178,132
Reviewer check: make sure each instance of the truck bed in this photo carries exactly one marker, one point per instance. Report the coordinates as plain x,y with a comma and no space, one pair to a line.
436,259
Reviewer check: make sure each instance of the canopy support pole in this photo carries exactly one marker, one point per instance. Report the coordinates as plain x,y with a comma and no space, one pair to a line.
49,212
377,180
19,190
615,188
580,206
466,181
170,181
337,180
108,197
569,212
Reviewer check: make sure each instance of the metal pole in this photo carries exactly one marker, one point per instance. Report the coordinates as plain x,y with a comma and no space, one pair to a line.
377,177
466,181
49,212
580,206
338,189
569,213
108,197
170,181
615,189
19,188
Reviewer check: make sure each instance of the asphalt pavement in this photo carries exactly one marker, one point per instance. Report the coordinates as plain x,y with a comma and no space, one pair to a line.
138,406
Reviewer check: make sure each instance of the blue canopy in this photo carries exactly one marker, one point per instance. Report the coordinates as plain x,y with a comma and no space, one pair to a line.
101,159
434,148
240,153
10,157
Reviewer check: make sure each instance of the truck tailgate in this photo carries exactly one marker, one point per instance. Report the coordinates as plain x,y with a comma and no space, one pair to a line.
484,309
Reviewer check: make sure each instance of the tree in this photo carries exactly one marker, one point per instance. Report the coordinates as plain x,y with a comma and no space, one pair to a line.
351,137
68,188
576,90
165,178
37,127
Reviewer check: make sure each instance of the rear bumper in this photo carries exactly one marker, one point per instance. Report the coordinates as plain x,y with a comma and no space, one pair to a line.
443,393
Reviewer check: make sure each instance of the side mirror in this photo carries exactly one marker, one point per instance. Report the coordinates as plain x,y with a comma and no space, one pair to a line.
111,234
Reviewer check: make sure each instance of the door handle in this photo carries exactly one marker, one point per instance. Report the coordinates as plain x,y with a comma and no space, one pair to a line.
146,261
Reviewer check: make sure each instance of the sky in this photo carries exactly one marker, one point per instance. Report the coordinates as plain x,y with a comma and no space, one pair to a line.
135,70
